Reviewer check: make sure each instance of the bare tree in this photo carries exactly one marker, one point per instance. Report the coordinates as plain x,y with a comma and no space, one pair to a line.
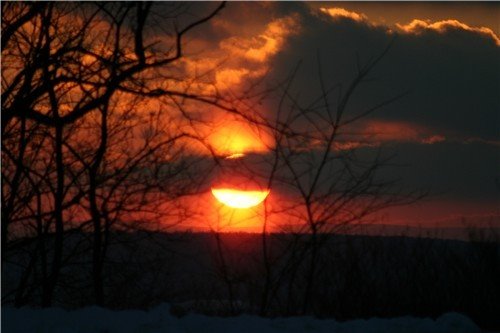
65,66
334,186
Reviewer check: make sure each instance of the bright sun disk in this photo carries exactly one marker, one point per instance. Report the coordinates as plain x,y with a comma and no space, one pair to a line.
239,198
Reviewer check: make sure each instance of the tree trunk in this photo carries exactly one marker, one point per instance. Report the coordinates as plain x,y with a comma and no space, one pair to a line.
59,220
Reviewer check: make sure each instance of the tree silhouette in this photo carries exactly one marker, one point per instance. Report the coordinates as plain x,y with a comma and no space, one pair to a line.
70,71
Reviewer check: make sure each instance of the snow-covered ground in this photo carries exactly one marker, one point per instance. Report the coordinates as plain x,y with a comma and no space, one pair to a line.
159,319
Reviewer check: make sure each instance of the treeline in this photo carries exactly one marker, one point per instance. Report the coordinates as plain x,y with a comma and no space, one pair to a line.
226,274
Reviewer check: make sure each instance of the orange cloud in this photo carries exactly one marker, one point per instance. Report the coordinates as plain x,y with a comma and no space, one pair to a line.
239,59
337,12
391,131
231,77
384,131
377,132
418,26
268,43
350,145
433,139
480,140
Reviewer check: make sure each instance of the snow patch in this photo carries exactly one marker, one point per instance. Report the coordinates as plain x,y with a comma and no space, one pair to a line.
159,319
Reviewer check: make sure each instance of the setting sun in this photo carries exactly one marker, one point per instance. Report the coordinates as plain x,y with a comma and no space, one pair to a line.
239,198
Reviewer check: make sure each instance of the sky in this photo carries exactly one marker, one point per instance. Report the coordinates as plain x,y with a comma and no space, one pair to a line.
445,131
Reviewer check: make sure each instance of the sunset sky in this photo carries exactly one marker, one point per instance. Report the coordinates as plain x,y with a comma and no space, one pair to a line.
445,130
259,80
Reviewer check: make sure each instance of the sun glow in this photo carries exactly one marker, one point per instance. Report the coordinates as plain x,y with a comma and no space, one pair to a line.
232,138
239,198
235,156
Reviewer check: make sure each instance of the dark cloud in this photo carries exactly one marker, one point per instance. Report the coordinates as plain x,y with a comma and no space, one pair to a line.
451,170
452,74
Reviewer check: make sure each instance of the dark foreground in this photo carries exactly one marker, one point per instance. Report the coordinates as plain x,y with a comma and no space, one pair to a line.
332,276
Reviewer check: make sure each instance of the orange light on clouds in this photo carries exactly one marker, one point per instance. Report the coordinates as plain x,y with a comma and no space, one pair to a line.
235,139
238,198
